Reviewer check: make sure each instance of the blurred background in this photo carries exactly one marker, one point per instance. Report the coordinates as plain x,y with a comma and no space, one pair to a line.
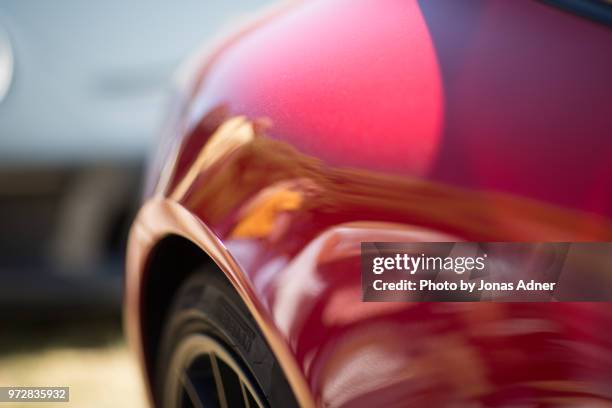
83,90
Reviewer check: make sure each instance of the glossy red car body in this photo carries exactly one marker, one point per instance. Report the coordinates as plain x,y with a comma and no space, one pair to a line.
335,122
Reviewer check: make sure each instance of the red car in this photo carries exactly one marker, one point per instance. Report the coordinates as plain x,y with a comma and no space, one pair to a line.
330,123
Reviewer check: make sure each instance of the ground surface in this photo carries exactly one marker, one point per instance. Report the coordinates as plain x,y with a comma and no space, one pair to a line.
90,357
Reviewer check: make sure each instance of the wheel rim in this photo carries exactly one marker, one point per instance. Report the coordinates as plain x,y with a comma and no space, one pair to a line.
203,374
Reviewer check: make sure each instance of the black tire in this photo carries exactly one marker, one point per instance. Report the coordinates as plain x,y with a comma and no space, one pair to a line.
206,310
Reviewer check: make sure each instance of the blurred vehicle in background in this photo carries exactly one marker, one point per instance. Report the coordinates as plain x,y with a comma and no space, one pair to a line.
336,122
82,87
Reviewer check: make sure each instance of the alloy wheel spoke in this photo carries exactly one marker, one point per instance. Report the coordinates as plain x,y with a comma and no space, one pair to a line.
218,381
191,391
245,395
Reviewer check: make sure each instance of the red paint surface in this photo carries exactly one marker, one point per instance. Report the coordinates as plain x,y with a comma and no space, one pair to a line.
353,79
398,121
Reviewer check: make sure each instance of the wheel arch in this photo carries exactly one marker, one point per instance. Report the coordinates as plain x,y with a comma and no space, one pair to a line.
167,244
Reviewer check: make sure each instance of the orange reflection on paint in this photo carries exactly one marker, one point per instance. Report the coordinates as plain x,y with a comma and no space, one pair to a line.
265,211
